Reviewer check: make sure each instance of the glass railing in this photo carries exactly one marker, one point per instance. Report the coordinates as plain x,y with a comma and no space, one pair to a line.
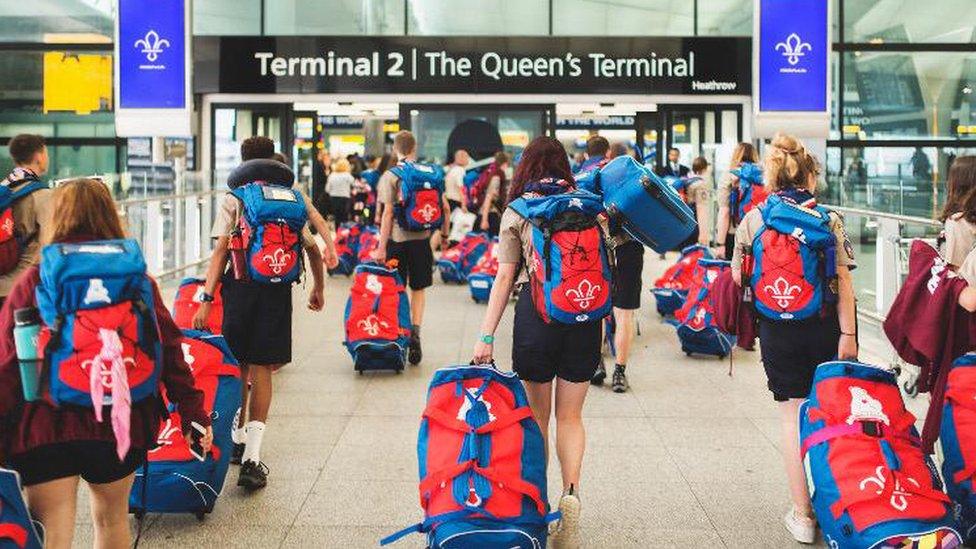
173,230
881,242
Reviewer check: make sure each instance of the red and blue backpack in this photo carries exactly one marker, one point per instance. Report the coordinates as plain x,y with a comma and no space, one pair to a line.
870,483
189,297
958,439
455,264
178,482
697,330
377,319
792,266
93,297
671,288
749,193
11,242
17,529
347,248
369,239
420,207
570,277
482,463
271,225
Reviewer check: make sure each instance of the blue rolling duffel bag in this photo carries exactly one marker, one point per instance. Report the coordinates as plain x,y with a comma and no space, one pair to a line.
178,482
649,209
17,529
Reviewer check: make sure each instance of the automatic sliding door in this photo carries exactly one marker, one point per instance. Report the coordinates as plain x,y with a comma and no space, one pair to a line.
482,130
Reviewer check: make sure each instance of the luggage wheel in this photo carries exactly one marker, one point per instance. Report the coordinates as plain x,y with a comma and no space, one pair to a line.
139,514
201,515
910,387
360,372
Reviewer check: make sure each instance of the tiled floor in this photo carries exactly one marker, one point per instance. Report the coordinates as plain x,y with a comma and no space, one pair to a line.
688,458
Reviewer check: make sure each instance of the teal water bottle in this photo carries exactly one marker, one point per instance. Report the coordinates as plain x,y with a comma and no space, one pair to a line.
27,329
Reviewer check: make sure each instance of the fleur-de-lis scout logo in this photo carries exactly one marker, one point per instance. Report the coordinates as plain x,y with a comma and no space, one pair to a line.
865,407
371,325
277,260
793,48
899,496
428,212
782,292
152,45
105,369
583,294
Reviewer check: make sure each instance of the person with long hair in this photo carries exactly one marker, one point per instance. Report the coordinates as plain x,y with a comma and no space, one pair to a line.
959,214
339,188
543,352
495,196
792,349
53,447
725,228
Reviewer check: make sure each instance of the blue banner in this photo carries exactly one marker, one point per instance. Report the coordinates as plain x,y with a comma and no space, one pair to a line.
152,54
793,50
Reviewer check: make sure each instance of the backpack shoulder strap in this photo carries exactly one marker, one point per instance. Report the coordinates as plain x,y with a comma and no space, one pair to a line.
27,187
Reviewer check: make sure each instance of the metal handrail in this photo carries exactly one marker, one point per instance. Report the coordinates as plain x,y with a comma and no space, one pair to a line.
167,197
885,215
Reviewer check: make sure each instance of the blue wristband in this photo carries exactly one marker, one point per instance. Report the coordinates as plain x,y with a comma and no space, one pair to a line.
487,339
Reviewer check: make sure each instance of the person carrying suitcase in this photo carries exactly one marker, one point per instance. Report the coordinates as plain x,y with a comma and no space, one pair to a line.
257,296
403,241
803,321
552,341
55,445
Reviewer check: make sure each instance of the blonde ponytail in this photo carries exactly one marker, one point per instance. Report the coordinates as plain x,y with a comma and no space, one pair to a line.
787,164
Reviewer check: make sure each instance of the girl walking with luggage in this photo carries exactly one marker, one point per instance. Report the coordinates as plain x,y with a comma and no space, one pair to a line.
53,446
798,331
958,218
554,359
725,229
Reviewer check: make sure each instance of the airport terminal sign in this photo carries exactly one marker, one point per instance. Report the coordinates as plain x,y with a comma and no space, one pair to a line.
558,65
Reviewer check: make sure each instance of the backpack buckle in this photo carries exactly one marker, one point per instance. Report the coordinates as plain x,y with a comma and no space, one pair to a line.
873,429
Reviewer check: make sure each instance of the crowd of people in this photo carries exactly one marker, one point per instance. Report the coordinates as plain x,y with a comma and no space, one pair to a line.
52,447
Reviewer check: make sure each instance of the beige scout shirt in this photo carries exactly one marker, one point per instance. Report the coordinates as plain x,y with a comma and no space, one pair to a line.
229,215
388,194
960,238
752,223
32,215
698,194
725,187
515,243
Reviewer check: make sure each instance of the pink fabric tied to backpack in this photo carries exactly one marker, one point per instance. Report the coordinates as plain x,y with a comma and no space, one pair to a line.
110,360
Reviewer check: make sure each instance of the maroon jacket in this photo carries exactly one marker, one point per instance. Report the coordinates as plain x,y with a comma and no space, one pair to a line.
731,315
928,328
28,425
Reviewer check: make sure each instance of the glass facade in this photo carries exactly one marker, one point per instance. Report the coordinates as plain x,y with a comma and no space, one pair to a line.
474,17
904,102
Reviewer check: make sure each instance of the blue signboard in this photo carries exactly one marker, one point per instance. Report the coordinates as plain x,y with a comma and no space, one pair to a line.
793,50
152,54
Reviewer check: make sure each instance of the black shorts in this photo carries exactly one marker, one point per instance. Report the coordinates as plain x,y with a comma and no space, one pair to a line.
627,281
95,461
415,261
543,351
729,246
791,352
257,321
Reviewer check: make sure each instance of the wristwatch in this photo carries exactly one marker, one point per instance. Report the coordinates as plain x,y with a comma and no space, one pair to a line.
206,298
487,339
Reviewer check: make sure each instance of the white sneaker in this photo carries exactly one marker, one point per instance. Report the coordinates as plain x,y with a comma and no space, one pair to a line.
803,529
566,534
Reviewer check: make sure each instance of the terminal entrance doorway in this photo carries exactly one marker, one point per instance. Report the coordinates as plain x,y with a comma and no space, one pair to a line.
709,131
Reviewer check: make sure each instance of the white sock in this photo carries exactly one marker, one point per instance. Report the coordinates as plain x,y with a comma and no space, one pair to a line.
252,450
239,435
